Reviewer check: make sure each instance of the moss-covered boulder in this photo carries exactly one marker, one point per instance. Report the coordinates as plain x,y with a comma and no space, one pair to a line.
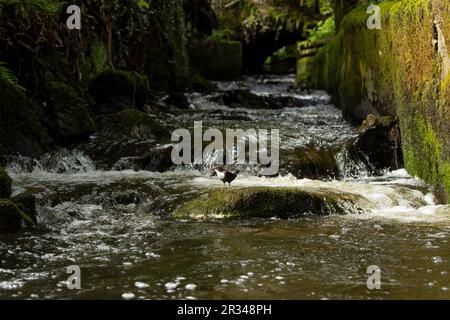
26,202
21,129
68,118
219,59
11,216
5,184
201,84
266,202
116,90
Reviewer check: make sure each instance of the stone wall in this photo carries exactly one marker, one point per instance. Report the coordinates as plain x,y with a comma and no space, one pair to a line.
401,70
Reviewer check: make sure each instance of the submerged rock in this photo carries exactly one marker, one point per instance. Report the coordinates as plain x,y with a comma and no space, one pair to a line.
266,202
11,216
5,184
379,143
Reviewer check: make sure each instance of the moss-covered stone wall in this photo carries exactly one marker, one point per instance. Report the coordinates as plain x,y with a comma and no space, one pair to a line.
400,70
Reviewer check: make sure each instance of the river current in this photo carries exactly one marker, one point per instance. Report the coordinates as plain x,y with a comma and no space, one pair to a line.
117,226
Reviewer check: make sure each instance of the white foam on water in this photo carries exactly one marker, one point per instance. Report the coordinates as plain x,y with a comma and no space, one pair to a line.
397,199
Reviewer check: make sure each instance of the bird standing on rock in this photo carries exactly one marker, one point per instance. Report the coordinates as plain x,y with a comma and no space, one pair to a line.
225,175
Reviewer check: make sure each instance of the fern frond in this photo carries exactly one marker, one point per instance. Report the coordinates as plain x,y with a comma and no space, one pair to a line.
9,76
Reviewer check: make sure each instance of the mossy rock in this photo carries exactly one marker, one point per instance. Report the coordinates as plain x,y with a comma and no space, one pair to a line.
11,216
21,129
5,184
201,84
130,88
267,202
131,124
69,120
26,202
304,70
400,71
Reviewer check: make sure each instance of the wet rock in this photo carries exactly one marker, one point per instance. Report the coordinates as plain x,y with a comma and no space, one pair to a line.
68,119
242,98
130,139
21,129
266,202
128,155
119,90
11,216
230,116
5,184
379,143
26,202
312,163
178,100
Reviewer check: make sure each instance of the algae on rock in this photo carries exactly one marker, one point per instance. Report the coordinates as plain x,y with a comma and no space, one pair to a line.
267,202
397,71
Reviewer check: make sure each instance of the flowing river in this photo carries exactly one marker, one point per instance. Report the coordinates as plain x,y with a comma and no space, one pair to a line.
117,226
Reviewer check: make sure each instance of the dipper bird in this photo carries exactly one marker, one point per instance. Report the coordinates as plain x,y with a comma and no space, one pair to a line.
225,175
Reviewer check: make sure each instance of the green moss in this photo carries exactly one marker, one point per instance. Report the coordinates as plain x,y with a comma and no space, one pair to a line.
394,71
428,163
201,84
304,70
264,202
5,184
99,57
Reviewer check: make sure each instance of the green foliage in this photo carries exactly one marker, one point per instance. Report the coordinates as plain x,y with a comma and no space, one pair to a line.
143,4
222,34
319,32
9,76
30,6
282,54
99,57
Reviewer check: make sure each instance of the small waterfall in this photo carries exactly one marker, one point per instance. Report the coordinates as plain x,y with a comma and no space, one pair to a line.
61,161
351,167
